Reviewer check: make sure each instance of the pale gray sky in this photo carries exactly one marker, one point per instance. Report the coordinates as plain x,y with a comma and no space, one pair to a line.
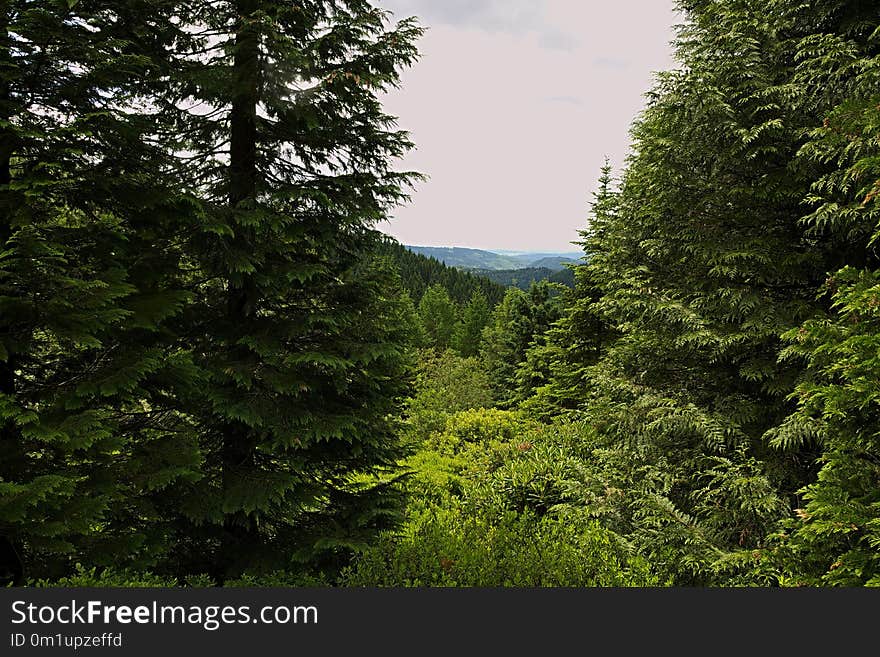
513,107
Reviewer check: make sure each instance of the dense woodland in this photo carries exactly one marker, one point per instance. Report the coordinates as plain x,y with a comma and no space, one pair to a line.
214,370
419,272
524,277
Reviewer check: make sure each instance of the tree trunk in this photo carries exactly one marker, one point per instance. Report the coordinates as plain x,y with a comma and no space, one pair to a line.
240,529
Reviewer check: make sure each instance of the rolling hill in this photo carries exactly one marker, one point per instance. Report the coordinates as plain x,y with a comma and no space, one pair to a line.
465,258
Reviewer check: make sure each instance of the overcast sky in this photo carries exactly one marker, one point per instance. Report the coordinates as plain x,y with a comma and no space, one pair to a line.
513,106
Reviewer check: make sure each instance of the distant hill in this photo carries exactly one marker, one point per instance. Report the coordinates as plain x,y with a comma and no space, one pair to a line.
467,258
525,276
418,272
529,258
471,259
556,263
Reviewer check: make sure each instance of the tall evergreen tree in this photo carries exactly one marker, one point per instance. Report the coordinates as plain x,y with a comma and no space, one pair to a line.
518,326
702,265
577,341
834,537
89,282
282,135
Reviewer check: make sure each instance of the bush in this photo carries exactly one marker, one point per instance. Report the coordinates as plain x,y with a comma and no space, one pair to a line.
449,547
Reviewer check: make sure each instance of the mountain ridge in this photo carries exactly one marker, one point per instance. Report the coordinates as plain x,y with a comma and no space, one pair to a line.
468,258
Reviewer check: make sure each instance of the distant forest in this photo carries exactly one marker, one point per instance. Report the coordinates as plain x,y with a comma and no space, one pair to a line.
419,272
524,278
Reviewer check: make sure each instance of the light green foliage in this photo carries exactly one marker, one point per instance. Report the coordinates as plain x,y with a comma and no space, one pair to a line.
112,578
449,547
488,508
445,383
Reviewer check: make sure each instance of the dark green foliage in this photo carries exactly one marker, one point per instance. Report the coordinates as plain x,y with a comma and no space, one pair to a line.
420,272
301,337
700,263
89,292
576,342
834,538
469,332
437,318
201,358
519,324
526,277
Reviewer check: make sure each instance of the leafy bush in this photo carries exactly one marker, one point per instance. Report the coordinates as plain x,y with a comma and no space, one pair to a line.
445,384
449,547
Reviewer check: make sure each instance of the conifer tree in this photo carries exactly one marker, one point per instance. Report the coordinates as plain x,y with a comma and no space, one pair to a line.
437,316
518,324
576,342
469,331
89,282
833,537
419,272
302,340
702,265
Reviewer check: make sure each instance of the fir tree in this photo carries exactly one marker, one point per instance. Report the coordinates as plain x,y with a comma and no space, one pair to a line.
437,316
833,538
577,341
89,283
469,331
702,265
302,340
519,324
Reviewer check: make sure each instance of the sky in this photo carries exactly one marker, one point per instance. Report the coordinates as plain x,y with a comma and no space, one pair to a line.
513,106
